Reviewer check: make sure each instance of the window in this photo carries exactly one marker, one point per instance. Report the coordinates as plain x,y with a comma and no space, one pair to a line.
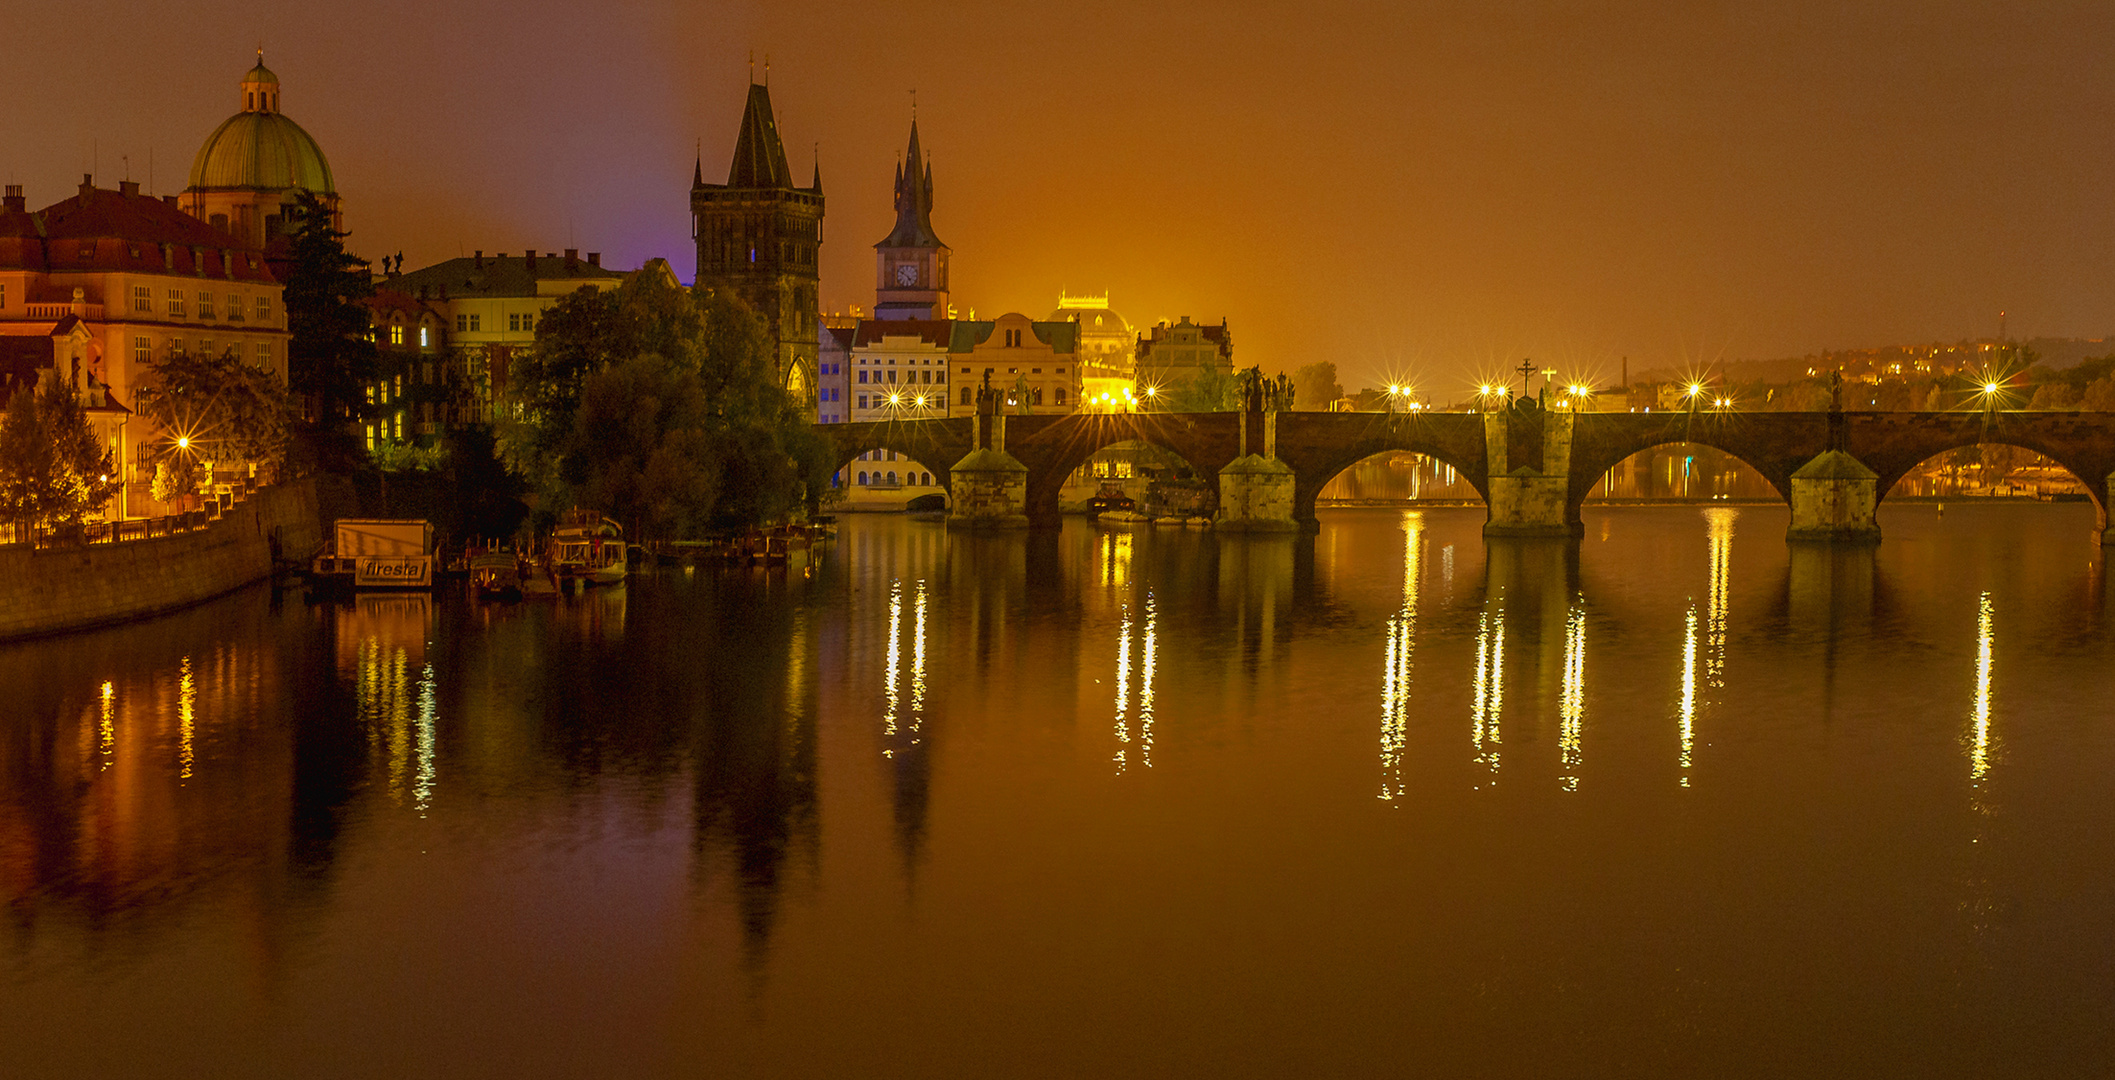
205,305
1035,396
892,477
928,376
1035,371
176,303
862,478
862,376
396,334
264,355
263,307
143,299
234,308
425,336
926,478
1061,395
476,323
965,371
892,376
142,350
514,322
940,376
862,401
3,296
965,396
462,323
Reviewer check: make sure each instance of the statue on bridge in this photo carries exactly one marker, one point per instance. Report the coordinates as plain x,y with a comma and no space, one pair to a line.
1020,394
1260,393
987,397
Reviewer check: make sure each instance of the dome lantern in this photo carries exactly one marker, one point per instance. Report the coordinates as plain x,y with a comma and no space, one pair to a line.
260,88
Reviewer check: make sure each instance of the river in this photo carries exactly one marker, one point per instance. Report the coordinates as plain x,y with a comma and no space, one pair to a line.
1674,800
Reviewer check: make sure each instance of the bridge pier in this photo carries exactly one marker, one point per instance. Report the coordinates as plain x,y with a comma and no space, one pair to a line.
1529,451
1833,499
1256,489
988,488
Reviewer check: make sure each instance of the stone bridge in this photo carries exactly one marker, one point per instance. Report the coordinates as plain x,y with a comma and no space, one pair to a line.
1533,467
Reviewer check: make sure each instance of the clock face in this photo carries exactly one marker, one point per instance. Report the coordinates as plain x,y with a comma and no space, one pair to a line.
907,274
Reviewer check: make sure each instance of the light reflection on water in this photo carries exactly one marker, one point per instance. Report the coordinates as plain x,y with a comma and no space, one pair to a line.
668,796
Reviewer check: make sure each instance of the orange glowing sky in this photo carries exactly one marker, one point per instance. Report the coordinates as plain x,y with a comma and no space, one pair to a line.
1424,191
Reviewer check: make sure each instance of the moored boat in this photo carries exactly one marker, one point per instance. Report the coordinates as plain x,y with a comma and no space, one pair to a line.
588,549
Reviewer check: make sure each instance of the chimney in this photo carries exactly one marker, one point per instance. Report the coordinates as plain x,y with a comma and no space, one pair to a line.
528,259
480,257
129,188
87,184
572,255
170,199
16,203
594,258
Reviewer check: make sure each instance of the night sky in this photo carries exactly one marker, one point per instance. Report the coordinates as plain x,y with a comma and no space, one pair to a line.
1421,190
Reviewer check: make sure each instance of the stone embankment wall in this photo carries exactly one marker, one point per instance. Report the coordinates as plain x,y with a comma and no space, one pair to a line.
60,589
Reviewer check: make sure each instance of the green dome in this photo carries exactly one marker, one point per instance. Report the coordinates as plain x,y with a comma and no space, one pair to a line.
260,73
261,150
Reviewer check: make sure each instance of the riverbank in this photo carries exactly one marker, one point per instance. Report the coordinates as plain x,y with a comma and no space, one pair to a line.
60,590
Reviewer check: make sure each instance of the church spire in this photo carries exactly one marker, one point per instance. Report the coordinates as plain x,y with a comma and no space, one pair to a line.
914,200
759,156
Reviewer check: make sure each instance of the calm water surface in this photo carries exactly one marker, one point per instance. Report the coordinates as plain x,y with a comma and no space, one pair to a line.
1675,800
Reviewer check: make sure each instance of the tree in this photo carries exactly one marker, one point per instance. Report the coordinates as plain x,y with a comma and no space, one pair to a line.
53,469
662,407
2100,394
1210,390
1316,386
212,408
330,359
2054,395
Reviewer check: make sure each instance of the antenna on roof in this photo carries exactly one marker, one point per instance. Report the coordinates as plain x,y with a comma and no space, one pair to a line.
127,159
752,67
914,105
767,69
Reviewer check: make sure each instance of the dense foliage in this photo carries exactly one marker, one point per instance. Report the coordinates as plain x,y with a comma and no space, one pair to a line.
214,409
330,359
662,408
1210,390
53,469
1315,386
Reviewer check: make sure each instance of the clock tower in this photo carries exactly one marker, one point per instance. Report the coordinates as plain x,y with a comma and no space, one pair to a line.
910,264
758,237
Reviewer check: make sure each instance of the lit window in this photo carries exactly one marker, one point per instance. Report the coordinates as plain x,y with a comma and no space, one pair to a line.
396,335
424,340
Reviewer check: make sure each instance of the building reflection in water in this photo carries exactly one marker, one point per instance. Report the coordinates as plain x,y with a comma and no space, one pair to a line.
1395,672
1489,684
1719,535
382,639
1143,638
903,720
186,718
1572,705
1979,717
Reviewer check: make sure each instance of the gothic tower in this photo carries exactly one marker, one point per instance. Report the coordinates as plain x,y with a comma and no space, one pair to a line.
910,264
758,235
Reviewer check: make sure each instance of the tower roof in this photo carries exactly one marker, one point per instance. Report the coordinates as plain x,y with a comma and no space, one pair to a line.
914,201
759,156
260,147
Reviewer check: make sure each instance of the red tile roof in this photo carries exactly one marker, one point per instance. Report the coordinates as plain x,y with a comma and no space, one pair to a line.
123,230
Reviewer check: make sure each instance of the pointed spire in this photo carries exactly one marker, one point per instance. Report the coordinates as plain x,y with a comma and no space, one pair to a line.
816,185
759,156
914,199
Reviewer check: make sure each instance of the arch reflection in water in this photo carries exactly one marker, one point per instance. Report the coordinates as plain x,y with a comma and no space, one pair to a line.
1395,671
1489,685
186,717
1572,705
1147,640
1979,715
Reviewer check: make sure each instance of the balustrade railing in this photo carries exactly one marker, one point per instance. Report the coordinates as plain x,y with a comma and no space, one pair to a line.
225,497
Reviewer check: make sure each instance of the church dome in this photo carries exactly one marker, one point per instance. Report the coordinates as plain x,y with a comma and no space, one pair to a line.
260,147
1095,322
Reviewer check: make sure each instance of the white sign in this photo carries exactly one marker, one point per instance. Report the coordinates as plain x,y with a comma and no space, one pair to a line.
393,571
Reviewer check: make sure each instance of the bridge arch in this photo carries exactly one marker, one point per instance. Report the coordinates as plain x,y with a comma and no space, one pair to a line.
1314,472
1599,482
934,445
1053,451
2079,467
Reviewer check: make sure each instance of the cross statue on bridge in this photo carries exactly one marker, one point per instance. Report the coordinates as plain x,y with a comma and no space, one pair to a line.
1527,368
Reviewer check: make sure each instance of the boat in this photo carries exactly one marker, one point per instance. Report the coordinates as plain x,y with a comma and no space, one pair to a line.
1198,521
588,549
496,575
370,553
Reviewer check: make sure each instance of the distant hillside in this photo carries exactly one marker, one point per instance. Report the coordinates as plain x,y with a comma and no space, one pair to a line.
2052,352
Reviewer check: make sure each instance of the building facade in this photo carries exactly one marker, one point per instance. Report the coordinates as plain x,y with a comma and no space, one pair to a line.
120,279
416,395
250,171
1107,352
1172,353
760,237
488,307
